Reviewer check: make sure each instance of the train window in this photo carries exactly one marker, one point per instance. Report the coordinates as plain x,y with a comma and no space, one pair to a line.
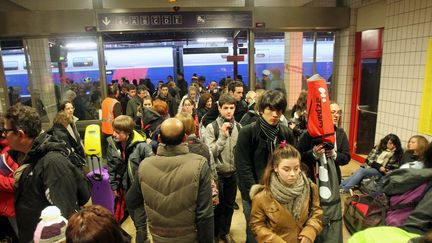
55,64
83,62
25,65
10,65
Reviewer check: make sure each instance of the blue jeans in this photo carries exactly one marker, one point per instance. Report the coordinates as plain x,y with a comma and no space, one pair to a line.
356,178
247,208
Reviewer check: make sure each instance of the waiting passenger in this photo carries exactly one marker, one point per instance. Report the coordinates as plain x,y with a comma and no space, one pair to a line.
77,144
59,131
286,205
152,119
193,95
417,144
126,149
221,137
165,96
255,144
235,89
335,157
111,109
38,182
136,101
383,158
95,224
182,84
181,210
298,115
204,105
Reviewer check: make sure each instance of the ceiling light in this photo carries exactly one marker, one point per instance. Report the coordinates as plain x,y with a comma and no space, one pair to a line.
81,45
216,39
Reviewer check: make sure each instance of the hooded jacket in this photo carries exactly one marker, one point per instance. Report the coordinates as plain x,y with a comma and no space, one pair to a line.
7,167
123,162
403,180
46,177
272,222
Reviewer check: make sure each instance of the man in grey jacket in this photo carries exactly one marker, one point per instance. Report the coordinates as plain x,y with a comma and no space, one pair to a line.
176,187
221,137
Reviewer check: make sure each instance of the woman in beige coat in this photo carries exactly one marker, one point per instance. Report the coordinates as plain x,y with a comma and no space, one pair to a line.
283,209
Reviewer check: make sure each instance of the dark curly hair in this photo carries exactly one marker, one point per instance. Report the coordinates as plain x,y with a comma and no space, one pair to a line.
25,118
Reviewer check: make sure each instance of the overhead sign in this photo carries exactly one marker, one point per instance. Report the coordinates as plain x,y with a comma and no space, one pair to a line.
169,20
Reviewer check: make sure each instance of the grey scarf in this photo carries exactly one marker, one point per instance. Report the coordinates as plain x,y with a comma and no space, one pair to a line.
292,197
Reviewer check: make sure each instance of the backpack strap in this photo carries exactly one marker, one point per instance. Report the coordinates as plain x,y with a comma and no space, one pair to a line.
215,129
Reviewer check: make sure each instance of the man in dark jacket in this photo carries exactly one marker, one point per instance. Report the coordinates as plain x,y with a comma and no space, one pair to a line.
235,89
255,144
166,96
176,187
136,101
182,84
46,177
126,149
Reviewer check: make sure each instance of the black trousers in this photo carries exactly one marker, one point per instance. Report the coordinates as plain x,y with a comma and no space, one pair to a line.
224,211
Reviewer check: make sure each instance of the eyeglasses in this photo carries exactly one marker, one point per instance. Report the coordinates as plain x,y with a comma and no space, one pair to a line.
5,130
339,112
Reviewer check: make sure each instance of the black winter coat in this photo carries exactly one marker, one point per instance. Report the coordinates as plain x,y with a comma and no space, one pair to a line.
62,134
306,144
252,154
49,179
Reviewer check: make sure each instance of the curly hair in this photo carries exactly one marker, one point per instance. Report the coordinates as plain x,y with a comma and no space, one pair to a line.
25,118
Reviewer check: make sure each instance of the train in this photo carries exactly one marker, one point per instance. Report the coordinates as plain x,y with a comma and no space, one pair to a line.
157,63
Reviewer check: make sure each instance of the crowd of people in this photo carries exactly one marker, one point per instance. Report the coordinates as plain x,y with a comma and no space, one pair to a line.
176,155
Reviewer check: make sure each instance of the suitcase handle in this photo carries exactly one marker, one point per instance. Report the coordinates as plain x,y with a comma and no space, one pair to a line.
96,176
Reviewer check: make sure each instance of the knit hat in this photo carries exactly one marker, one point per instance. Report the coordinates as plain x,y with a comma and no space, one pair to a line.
52,227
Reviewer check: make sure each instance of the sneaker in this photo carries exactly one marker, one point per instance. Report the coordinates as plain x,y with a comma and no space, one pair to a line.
351,192
227,238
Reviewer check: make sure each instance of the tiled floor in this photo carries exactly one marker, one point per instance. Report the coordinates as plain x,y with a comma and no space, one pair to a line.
239,224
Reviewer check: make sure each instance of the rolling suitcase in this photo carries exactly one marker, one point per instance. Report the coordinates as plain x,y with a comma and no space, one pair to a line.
98,175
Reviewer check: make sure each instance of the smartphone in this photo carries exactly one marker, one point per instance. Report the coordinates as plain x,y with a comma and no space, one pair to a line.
328,146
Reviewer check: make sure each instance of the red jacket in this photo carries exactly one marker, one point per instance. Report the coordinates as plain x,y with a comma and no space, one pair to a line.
6,180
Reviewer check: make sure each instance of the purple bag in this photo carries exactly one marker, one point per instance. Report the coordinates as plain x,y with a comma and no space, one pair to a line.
401,206
102,193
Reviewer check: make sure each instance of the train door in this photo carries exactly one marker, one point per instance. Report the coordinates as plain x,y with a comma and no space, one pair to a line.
364,110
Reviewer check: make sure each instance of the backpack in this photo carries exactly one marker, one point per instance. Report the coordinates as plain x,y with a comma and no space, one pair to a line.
364,211
370,185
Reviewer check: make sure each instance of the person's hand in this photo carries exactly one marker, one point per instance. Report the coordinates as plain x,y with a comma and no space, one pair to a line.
292,125
330,153
148,140
116,194
383,170
225,129
304,239
319,149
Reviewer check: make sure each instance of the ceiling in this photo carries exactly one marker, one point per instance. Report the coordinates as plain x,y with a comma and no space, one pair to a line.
49,5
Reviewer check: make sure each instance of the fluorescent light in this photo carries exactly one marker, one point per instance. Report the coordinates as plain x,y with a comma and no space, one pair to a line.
216,39
81,45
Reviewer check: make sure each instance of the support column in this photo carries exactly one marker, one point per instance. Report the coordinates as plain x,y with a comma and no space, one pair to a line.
41,82
293,66
4,97
251,60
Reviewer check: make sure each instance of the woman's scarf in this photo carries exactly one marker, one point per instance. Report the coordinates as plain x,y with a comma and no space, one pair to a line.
291,197
270,132
384,157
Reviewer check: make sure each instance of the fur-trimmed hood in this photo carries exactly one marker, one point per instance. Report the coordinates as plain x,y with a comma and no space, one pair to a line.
255,189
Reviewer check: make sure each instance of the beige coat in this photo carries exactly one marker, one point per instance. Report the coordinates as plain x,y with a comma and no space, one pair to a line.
272,222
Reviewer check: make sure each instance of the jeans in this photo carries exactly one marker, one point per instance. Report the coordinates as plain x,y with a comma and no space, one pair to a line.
356,178
225,209
247,208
